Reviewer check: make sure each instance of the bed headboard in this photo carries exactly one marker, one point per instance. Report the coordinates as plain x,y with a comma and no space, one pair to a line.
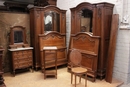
88,45
85,42
52,39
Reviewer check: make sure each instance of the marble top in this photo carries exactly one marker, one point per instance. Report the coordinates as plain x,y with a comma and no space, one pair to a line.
50,48
18,49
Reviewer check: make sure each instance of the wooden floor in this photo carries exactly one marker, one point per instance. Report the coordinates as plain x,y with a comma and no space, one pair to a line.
36,79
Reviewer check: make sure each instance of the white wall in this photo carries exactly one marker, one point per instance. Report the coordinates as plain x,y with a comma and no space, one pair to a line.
122,55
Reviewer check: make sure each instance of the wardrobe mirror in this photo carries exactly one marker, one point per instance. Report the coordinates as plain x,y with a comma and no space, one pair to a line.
86,20
51,21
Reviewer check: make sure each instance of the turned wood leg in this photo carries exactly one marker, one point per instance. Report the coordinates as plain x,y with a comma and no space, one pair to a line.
14,72
75,80
80,79
86,80
71,78
32,69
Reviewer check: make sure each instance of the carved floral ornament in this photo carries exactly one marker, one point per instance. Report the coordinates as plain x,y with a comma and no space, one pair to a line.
52,36
83,38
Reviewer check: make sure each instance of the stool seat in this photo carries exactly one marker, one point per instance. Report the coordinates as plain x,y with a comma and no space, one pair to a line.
79,70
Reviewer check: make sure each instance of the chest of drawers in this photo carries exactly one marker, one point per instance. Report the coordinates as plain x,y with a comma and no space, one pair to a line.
21,59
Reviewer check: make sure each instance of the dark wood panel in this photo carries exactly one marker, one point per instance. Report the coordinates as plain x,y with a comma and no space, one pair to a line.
112,47
2,84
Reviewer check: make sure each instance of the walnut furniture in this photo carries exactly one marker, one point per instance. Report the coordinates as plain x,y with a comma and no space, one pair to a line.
43,20
21,58
53,39
50,55
2,84
89,51
21,54
96,19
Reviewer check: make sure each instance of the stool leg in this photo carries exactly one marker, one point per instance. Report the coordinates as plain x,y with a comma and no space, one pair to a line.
44,75
71,78
75,80
80,79
85,80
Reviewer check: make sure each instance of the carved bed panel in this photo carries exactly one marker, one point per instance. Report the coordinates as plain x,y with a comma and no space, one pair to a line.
54,39
88,45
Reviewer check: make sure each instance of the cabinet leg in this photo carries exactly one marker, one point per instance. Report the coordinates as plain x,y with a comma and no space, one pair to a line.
32,69
14,73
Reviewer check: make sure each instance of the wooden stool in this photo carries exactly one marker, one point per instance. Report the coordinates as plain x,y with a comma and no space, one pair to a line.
49,56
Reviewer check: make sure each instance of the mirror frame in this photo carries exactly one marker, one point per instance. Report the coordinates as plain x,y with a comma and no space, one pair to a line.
55,22
86,13
17,28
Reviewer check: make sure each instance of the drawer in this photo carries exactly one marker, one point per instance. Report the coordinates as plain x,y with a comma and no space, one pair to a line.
50,54
22,61
25,61
22,65
17,53
24,52
22,56
18,62
29,52
17,57
25,65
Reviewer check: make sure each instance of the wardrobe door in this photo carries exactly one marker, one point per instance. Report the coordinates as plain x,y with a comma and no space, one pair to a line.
35,26
102,29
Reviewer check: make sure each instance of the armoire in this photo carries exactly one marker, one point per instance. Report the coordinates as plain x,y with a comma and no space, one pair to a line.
42,21
95,19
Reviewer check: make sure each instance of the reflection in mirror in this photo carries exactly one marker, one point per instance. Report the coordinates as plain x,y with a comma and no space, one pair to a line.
86,20
18,36
52,21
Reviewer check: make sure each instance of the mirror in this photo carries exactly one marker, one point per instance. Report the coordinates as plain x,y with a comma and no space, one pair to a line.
17,35
51,21
86,20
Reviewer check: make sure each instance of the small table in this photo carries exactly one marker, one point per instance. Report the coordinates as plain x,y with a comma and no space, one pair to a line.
49,56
